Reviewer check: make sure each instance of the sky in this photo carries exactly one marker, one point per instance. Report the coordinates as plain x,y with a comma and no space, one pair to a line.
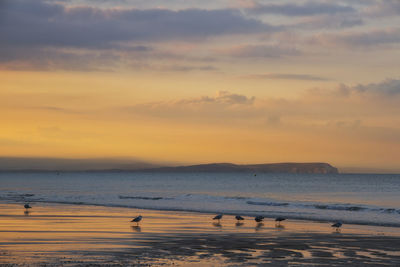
186,81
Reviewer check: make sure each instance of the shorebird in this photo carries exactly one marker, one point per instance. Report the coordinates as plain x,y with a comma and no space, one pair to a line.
259,218
239,218
26,206
337,226
218,217
279,220
137,219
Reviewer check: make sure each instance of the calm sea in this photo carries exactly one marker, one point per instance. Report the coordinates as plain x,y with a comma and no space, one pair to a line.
372,199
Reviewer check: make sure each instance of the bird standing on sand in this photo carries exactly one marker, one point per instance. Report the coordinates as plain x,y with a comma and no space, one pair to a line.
218,217
26,206
259,218
239,218
137,219
279,220
337,226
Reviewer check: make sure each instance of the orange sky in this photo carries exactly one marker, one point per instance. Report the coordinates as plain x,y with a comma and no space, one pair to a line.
237,81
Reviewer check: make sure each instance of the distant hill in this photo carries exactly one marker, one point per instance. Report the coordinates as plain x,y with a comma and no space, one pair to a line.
114,164
317,167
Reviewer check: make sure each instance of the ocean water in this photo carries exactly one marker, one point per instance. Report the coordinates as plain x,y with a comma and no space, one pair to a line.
371,199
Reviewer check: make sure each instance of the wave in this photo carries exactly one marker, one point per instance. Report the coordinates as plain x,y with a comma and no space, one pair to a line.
339,207
266,214
204,203
274,204
145,198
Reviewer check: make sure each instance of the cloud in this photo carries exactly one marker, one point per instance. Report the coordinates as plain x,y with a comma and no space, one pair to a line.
259,51
369,38
46,58
40,23
374,105
382,8
305,9
328,21
49,35
286,76
388,88
206,108
186,68
57,109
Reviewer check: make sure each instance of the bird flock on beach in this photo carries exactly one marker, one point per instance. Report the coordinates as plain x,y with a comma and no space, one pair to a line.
258,219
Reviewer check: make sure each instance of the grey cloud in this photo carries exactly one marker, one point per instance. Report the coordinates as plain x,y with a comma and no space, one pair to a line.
38,58
305,9
286,76
260,51
27,23
382,8
187,68
383,93
390,88
335,21
222,106
222,97
360,39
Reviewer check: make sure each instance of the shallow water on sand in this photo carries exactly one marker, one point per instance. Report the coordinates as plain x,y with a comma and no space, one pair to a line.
352,198
70,235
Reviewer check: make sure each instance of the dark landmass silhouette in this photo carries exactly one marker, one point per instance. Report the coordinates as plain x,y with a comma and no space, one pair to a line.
287,167
115,164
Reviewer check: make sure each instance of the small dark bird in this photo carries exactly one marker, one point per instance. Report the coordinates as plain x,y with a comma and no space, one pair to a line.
137,219
26,206
218,217
239,218
259,218
279,220
337,226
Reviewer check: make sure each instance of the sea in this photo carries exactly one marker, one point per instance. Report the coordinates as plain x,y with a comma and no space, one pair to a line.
367,199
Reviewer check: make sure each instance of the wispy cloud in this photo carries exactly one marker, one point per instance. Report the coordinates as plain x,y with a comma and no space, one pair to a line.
370,104
365,39
303,9
286,76
259,51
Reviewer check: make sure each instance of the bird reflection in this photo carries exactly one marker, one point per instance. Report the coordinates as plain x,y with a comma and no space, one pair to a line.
136,228
26,212
279,227
217,224
259,226
238,224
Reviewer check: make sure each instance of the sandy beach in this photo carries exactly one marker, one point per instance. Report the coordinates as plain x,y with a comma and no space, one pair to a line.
79,235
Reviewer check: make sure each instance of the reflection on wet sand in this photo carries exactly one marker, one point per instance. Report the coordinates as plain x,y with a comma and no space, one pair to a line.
136,228
279,227
238,224
82,235
26,212
259,226
217,224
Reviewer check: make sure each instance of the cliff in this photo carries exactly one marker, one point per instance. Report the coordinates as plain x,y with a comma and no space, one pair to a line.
318,168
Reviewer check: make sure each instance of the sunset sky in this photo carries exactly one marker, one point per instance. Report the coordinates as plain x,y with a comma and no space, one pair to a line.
186,81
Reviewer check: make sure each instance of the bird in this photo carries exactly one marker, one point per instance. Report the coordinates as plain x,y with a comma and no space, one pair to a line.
278,220
337,225
26,206
218,217
137,219
259,218
239,218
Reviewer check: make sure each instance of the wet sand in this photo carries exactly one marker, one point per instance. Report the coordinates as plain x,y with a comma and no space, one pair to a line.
72,235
